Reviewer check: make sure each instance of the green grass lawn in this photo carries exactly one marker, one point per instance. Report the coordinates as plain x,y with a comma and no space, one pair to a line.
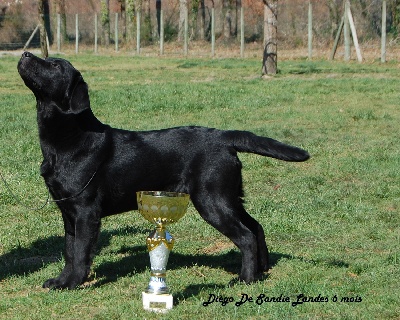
332,224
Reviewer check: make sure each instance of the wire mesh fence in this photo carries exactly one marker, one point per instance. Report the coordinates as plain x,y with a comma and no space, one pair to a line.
83,30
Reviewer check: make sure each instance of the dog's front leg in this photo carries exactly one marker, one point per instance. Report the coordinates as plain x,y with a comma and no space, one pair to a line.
59,282
80,240
87,229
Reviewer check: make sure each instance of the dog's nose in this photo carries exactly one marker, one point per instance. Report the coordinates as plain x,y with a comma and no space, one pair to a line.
26,54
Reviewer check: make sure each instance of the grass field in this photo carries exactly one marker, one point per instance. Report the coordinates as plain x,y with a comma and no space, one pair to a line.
332,224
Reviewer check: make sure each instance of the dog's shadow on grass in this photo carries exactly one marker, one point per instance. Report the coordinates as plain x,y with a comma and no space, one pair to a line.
134,259
24,260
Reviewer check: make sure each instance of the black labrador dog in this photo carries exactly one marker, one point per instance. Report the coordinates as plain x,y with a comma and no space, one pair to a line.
94,170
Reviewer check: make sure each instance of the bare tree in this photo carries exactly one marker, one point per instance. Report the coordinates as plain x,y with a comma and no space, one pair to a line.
183,13
130,16
2,14
147,27
194,12
335,14
227,18
198,26
202,20
122,10
238,7
43,8
270,37
394,21
60,9
158,16
105,22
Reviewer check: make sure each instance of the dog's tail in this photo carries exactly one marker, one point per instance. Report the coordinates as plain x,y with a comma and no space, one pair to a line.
244,141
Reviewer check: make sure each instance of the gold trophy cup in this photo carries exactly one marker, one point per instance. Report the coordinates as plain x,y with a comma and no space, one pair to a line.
161,208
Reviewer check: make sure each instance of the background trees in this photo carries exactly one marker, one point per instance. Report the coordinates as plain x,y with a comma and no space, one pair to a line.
18,18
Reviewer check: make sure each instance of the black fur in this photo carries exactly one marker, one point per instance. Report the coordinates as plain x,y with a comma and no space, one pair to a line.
78,148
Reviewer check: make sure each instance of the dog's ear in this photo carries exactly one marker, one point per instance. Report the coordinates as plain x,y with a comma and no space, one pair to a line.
79,98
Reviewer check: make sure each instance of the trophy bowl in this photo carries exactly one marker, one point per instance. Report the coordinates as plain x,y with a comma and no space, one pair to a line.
162,207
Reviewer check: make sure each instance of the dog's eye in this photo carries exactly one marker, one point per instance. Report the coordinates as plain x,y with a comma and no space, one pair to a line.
55,65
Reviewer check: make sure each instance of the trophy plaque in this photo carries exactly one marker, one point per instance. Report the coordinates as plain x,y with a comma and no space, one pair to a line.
161,208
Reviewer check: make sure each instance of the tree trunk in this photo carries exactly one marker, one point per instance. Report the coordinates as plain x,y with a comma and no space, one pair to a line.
158,15
60,9
182,16
122,7
42,20
202,31
395,10
227,16
334,17
194,13
105,22
147,28
270,37
238,7
130,15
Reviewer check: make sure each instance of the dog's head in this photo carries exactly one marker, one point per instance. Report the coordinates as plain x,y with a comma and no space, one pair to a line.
54,81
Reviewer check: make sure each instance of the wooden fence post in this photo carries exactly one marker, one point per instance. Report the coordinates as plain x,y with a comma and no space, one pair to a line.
383,36
310,18
186,33
354,34
138,31
76,34
241,32
58,32
347,24
31,37
335,45
95,33
212,32
161,31
116,32
346,31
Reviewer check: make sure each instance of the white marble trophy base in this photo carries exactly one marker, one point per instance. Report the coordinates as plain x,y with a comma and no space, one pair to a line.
157,302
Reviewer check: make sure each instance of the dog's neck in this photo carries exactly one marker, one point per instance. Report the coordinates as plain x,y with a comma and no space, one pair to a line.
89,123
59,128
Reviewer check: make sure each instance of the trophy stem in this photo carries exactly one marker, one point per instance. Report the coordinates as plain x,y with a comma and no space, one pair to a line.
159,244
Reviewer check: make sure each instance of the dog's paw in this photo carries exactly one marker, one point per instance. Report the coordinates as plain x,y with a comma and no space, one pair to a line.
259,276
51,283
57,284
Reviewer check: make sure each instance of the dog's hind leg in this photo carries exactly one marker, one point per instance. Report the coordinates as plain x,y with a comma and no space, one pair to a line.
262,249
225,215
